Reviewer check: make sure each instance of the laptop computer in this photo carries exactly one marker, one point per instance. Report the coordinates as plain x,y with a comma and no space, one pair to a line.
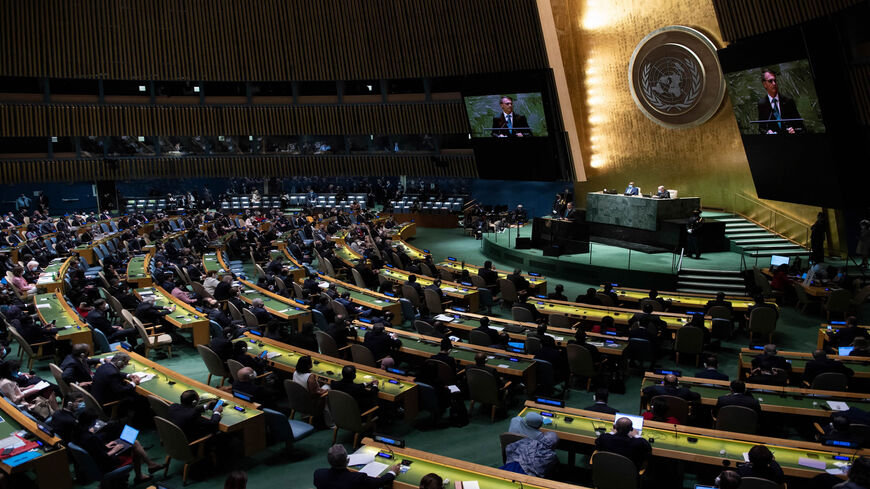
128,437
702,486
636,421
844,351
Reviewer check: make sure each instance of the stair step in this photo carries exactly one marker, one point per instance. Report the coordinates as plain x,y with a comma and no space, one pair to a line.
755,253
773,246
709,272
731,219
744,224
716,279
747,231
760,240
711,291
692,283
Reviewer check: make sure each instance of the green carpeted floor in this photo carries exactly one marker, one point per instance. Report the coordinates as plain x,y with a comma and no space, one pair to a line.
477,442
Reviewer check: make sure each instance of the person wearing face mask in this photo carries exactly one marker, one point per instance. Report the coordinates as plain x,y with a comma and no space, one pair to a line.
97,319
63,422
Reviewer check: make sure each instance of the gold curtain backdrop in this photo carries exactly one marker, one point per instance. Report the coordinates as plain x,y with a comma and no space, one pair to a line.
619,143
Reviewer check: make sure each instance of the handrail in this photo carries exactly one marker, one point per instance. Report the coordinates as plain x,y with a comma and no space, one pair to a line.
773,216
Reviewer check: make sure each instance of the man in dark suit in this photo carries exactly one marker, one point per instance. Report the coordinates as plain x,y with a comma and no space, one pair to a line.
647,318
495,337
187,415
149,313
480,364
97,320
222,290
444,354
435,286
522,302
558,294
670,387
380,343
631,189
76,366
625,442
337,476
248,386
773,107
570,212
339,331
769,359
737,397
412,281
662,193
489,276
364,394
259,311
711,365
110,384
822,364
600,406
845,336
520,282
719,301
508,124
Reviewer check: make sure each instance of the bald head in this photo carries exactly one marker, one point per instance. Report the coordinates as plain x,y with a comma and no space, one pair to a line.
819,355
770,349
623,426
670,379
247,374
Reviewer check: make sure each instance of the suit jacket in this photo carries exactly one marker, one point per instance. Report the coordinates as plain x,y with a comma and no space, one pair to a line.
97,319
75,371
261,314
714,302
637,449
666,390
490,277
570,214
787,110
342,478
381,344
110,384
664,194
149,313
816,367
520,282
711,374
766,361
733,399
222,291
600,407
364,397
494,338
631,191
191,422
519,123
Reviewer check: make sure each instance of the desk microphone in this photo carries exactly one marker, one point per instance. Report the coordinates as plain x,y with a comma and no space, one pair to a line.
518,482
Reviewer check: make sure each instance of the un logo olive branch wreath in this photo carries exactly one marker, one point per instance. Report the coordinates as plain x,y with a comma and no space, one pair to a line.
688,101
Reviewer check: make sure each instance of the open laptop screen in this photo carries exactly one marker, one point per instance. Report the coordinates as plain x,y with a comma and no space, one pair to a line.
129,434
636,421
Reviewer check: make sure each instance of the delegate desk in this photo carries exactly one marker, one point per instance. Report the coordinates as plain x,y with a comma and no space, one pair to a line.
683,300
168,385
392,388
366,298
51,279
637,212
699,445
798,360
458,471
138,271
86,250
296,272
277,305
463,322
537,283
815,289
51,467
828,329
588,312
515,365
468,295
53,307
183,317
777,399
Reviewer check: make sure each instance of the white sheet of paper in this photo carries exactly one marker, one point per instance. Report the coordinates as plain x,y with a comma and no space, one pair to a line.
746,456
272,354
838,405
503,365
43,306
364,458
36,387
835,471
443,317
470,485
373,469
143,376
453,389
11,441
813,463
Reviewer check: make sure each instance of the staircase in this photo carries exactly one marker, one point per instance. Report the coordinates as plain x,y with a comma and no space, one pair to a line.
710,281
752,240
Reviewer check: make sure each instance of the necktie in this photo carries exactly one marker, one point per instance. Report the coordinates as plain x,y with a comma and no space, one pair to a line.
776,113
510,123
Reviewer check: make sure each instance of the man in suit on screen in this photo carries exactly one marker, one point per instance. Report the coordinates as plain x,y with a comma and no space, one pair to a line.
508,124
773,106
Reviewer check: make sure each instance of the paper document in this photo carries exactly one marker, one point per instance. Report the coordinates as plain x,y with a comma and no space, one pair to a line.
835,471
12,442
470,485
443,317
595,343
43,306
746,456
453,389
143,376
497,328
364,458
373,469
36,387
838,405
813,463
450,289
272,354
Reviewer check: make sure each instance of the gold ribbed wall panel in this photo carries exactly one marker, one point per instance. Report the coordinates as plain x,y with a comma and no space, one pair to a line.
229,40
128,120
618,142
745,18
169,168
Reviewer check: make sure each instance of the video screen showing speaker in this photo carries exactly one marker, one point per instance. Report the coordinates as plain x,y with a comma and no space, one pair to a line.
510,115
793,99
776,99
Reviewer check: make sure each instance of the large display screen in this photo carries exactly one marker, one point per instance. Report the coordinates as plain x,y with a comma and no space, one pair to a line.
776,99
509,115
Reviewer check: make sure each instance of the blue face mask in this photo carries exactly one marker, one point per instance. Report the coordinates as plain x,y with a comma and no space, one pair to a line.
80,408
